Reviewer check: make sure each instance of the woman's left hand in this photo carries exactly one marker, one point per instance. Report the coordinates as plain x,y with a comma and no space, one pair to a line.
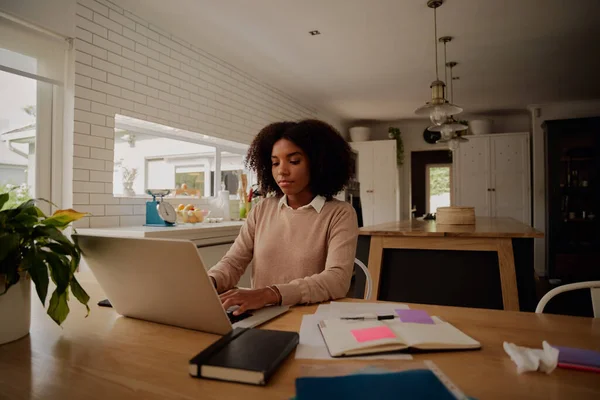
247,299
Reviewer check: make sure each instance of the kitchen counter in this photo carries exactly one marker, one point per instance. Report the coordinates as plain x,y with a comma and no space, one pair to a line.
201,233
213,240
487,265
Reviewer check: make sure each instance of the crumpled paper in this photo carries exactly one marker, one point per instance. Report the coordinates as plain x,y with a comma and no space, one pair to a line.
526,359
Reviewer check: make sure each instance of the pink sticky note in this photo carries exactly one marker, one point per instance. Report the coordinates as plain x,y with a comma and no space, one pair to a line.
376,333
415,316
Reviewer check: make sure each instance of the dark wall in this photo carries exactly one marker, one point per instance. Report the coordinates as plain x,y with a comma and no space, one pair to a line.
419,159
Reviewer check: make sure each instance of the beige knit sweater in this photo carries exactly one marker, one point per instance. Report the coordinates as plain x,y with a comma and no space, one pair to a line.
308,255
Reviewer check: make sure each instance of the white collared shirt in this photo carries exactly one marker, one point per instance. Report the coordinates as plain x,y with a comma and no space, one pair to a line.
317,203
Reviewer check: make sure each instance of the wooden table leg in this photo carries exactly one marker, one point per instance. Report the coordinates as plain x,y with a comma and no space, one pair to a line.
508,276
375,259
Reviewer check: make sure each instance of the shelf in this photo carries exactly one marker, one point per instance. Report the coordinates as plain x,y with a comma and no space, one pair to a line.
579,220
577,252
588,187
567,159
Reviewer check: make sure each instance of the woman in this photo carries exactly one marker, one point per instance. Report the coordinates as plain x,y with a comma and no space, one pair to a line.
302,241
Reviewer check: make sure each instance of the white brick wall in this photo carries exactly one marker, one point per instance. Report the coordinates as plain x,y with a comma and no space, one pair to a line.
124,65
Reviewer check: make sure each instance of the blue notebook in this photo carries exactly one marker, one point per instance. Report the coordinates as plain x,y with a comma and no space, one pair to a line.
406,385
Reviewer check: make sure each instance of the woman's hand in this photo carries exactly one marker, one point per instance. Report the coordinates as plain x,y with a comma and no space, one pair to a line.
248,299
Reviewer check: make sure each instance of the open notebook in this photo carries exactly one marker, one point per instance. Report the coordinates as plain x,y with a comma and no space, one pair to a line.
354,337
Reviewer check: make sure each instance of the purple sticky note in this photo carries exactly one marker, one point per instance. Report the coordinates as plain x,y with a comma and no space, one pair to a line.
415,316
375,333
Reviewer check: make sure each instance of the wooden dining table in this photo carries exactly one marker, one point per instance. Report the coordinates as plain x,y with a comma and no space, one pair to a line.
106,356
462,245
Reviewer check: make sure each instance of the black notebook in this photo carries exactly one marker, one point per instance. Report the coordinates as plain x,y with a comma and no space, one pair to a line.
244,355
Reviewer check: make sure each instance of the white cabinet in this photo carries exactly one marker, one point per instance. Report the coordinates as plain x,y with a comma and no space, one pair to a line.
492,174
212,254
378,178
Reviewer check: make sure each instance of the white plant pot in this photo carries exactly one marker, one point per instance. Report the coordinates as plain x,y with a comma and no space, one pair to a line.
128,189
15,310
360,133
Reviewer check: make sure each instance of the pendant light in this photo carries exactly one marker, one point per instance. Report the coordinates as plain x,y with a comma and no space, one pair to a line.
438,109
451,128
450,125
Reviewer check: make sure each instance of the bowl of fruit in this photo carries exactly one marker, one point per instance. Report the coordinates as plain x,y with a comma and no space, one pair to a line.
189,214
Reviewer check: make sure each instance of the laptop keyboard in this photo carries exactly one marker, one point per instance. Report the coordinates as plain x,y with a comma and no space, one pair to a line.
236,318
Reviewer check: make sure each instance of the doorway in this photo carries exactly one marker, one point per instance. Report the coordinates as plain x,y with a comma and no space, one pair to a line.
438,186
431,181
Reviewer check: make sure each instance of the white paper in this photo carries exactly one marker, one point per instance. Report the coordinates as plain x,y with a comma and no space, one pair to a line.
312,346
338,308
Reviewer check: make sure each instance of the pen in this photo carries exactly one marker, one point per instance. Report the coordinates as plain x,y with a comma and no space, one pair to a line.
378,318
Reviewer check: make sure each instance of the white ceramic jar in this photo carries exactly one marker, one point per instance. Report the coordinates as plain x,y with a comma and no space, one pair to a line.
480,126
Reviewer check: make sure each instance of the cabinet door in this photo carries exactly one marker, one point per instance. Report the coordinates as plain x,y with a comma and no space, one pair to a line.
385,182
509,159
472,175
365,178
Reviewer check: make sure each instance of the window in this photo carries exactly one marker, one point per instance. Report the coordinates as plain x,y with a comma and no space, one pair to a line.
192,177
153,156
31,75
438,186
232,166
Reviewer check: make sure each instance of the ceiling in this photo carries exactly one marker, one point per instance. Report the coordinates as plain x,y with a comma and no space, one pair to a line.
374,59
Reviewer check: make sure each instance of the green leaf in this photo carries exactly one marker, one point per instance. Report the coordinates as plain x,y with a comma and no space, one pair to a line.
60,269
59,248
39,212
3,199
9,243
58,309
51,232
80,294
62,218
27,219
75,259
39,273
26,205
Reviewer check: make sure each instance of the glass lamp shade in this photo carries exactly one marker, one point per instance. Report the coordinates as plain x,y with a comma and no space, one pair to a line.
455,126
447,134
438,112
447,108
438,109
453,145
437,116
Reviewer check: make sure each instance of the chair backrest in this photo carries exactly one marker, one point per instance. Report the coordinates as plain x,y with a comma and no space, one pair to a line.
594,287
365,270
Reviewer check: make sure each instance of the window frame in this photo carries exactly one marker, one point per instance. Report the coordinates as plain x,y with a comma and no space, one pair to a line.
220,145
55,56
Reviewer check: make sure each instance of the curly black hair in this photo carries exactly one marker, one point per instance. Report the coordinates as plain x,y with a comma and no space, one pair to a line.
329,155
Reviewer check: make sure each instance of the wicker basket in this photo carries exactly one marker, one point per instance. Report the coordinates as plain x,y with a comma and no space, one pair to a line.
455,216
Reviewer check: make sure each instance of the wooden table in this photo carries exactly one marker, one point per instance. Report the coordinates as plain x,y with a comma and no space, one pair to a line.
488,234
106,356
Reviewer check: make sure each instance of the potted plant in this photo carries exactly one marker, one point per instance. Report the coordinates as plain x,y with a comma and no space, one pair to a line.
129,175
394,133
33,248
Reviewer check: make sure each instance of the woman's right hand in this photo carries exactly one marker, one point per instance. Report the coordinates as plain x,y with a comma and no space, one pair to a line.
248,299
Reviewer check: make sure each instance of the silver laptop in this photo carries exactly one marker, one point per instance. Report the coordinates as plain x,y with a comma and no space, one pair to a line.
162,280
